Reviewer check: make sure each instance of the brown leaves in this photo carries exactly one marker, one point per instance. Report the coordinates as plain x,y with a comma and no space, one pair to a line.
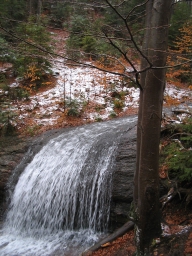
123,246
183,43
181,55
188,246
32,76
163,172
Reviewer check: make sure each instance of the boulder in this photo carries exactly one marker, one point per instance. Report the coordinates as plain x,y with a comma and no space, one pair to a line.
123,174
13,149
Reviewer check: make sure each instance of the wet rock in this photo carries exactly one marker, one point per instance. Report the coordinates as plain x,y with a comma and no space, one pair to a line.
13,149
122,192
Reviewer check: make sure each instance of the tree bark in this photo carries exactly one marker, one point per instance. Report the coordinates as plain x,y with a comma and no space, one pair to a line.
30,7
146,194
142,82
39,5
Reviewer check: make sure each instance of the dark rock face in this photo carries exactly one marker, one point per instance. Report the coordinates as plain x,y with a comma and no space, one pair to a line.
15,154
122,192
13,150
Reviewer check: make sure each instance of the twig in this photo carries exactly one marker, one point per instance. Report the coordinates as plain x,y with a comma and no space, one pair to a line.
179,143
180,133
180,111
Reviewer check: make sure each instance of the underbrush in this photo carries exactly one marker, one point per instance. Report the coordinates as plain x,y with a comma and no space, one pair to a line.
176,159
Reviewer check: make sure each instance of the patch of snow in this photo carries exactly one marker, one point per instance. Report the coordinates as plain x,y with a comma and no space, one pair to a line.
15,84
174,92
85,85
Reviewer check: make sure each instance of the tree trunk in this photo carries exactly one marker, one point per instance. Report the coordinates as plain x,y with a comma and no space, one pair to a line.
30,7
146,193
39,5
142,81
34,8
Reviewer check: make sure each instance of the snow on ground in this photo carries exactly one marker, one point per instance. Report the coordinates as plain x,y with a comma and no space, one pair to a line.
86,87
177,93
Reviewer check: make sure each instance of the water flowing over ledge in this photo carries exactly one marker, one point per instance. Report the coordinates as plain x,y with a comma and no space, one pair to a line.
61,202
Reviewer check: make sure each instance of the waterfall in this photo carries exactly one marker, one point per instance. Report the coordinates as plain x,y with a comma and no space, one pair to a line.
61,202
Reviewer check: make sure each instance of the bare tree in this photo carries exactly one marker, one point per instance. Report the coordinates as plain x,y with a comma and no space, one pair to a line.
31,6
34,7
146,193
39,6
152,84
152,73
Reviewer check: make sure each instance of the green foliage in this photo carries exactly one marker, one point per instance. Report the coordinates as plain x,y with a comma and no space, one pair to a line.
31,62
60,14
88,24
78,39
6,125
177,153
13,93
98,119
88,44
118,95
181,14
113,114
7,116
6,54
98,108
90,27
179,163
119,98
186,126
10,10
105,49
3,82
73,108
18,94
15,9
83,39
135,21
33,130
113,19
118,103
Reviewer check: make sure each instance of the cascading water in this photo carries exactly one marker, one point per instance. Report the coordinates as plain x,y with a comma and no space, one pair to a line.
61,202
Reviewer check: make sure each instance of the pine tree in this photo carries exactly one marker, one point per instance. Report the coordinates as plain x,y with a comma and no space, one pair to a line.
31,62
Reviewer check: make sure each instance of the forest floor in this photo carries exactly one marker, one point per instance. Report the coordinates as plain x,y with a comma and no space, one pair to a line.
176,239
90,94
42,113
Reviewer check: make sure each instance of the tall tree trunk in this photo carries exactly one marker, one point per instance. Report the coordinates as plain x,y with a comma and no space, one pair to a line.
30,7
146,193
39,6
142,81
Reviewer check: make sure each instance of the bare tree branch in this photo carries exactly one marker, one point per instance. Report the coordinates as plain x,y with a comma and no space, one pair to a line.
130,33
75,62
135,7
126,58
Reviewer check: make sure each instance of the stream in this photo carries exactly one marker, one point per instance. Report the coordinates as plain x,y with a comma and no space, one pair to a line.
61,202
